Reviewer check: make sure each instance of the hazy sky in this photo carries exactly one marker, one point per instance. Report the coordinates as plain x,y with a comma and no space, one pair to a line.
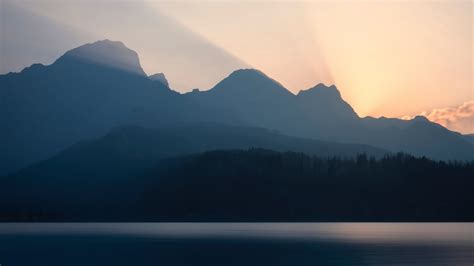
388,58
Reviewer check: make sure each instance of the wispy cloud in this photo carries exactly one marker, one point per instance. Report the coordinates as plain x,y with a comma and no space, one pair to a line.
458,118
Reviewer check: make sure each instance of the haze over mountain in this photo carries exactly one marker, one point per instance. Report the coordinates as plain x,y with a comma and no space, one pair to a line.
96,87
101,169
136,148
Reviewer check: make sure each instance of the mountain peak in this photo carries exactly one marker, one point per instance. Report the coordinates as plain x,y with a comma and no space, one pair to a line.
251,82
328,98
160,77
107,42
321,90
420,118
247,72
112,54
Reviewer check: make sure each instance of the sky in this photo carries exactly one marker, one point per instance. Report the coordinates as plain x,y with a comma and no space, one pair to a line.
388,58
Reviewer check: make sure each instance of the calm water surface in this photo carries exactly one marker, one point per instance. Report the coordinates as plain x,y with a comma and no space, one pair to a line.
237,244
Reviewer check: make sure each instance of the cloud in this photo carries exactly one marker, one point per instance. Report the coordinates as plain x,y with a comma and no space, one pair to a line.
458,118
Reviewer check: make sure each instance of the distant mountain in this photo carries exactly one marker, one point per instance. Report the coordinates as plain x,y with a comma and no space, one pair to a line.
321,113
418,136
321,97
318,112
99,86
252,96
160,77
325,114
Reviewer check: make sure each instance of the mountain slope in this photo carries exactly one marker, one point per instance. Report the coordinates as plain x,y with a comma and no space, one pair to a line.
104,170
133,147
252,96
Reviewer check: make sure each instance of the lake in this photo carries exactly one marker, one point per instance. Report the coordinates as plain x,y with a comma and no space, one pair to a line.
260,244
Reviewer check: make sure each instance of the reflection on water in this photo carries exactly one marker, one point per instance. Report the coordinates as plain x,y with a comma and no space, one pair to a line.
237,244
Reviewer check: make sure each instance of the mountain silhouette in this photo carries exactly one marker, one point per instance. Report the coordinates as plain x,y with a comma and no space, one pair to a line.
320,112
250,84
252,96
322,97
99,86
325,114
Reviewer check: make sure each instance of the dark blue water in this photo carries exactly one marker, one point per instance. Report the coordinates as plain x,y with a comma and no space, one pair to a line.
237,244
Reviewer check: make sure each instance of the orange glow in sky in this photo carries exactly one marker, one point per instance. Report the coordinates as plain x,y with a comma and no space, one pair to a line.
388,58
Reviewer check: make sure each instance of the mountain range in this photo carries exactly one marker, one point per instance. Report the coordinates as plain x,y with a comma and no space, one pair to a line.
108,171
97,87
